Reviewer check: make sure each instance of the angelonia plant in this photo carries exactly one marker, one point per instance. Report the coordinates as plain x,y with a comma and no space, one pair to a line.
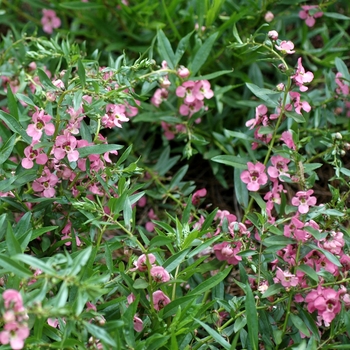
174,184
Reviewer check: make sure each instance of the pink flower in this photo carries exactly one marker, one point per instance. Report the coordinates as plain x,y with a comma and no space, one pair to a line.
286,278
228,251
303,200
115,115
46,183
15,334
13,300
41,122
279,167
186,91
260,117
159,96
65,145
301,77
141,263
160,300
295,96
310,18
325,301
197,195
342,88
254,177
202,90
286,47
287,138
138,324
32,154
50,21
159,274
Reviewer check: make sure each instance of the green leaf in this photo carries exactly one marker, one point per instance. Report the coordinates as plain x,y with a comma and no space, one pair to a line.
15,126
297,117
35,263
252,318
175,260
309,271
264,94
241,190
100,333
333,259
25,99
202,54
272,290
165,49
298,323
12,103
97,149
212,75
78,5
336,16
181,48
13,246
342,68
236,162
210,282
14,267
345,171
140,283
215,335
81,73
159,241
278,240
45,80
6,149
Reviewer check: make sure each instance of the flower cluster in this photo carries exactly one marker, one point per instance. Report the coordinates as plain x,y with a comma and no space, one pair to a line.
15,329
50,21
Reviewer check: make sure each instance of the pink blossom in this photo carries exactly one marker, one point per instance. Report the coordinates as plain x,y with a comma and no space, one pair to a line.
159,96
188,109
286,278
335,243
287,138
41,123
197,195
138,324
303,200
160,300
65,146
50,21
202,90
15,334
228,251
286,47
260,117
301,77
310,18
141,263
32,155
115,115
343,88
46,183
254,177
279,167
159,274
295,96
152,216
186,91
13,300
325,301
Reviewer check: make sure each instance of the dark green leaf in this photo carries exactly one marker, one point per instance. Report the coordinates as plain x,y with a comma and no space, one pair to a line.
97,149
252,318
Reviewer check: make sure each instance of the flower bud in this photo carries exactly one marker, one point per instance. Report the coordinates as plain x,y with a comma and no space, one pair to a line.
273,35
280,87
183,72
269,16
282,67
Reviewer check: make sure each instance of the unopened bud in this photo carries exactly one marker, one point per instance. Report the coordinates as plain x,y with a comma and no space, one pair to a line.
338,136
280,87
282,67
269,16
183,72
273,35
